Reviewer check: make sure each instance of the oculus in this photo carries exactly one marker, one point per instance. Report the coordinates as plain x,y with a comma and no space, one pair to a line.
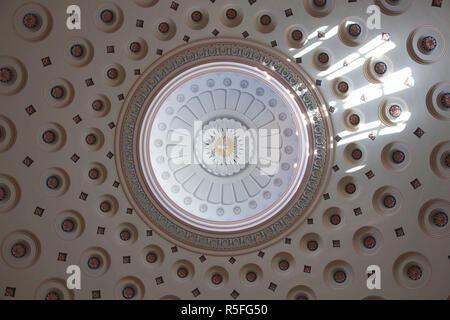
223,145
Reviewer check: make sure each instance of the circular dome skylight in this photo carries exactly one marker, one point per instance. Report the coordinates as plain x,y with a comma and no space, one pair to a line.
223,145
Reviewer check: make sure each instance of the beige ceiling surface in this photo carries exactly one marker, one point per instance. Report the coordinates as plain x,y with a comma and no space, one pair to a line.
58,156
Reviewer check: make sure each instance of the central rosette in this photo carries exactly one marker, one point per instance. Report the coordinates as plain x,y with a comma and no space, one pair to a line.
224,147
